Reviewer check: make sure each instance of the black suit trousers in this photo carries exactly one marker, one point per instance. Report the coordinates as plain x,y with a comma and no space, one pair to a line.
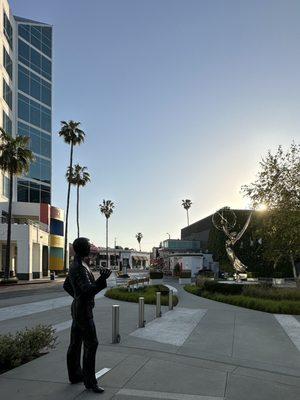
83,332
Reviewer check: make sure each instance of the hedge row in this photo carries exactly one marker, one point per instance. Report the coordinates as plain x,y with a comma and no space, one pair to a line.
263,291
262,304
271,293
149,294
270,306
225,288
185,273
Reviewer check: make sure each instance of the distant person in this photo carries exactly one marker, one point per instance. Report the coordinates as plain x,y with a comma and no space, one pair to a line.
82,286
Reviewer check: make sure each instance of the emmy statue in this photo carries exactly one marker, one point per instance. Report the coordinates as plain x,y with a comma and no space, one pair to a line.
225,220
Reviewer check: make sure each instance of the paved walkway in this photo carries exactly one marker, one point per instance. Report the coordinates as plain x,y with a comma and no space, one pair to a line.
203,350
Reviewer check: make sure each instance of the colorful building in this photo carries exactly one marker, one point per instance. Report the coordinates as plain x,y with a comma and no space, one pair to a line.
37,239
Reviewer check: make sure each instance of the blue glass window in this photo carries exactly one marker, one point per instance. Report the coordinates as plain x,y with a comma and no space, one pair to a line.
35,170
24,52
35,89
33,59
40,170
45,145
34,113
7,62
34,192
7,94
45,171
23,80
35,86
23,109
35,143
7,30
46,68
38,36
5,188
40,142
24,32
7,123
45,194
23,190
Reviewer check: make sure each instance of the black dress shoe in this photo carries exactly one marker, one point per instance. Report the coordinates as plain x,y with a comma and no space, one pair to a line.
95,388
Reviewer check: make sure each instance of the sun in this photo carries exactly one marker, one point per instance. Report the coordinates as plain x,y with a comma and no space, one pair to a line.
261,207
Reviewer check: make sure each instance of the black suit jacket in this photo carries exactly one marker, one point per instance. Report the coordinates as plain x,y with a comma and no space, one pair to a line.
82,286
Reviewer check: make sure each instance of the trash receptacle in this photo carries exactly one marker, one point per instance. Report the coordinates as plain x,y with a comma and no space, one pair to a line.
52,276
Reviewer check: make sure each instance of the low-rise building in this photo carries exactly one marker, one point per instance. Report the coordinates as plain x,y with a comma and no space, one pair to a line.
193,262
119,258
186,253
37,239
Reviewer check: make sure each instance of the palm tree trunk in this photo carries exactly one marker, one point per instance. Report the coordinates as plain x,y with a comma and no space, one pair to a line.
78,211
106,242
67,213
187,214
8,241
140,245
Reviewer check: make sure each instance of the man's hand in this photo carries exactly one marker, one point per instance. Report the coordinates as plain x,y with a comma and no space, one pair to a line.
105,273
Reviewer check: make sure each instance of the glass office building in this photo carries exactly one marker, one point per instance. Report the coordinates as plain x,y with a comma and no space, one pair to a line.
34,105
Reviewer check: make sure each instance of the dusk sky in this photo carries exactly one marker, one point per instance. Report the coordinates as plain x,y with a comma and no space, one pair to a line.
178,98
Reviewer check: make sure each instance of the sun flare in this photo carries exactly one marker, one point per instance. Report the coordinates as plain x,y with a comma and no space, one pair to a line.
261,207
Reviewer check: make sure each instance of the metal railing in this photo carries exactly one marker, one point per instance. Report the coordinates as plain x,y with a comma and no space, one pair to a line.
25,221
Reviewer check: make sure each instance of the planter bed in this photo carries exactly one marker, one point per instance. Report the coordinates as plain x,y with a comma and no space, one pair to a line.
266,303
149,294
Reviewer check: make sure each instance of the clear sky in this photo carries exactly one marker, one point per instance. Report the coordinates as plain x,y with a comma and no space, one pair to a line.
178,99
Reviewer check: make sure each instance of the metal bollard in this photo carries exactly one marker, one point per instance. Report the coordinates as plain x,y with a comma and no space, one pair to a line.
141,312
170,299
158,307
115,324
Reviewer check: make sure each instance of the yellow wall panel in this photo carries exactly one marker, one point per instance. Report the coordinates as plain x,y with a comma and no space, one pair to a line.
56,241
56,264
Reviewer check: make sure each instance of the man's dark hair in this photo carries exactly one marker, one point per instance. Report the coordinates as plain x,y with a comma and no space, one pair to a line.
82,246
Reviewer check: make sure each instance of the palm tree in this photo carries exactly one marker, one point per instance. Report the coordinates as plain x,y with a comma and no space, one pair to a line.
79,177
73,136
106,208
187,205
15,159
139,237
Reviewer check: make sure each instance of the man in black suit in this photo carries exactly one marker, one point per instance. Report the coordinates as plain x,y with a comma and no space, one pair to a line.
82,286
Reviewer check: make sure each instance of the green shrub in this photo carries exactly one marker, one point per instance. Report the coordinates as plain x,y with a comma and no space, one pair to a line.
224,288
206,274
264,292
25,345
156,275
270,306
185,273
193,289
149,294
274,306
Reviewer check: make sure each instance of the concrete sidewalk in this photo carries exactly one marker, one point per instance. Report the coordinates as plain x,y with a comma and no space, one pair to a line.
221,352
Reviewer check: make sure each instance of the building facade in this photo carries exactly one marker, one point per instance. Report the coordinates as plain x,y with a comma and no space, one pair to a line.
26,110
119,258
37,239
26,101
185,253
198,231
